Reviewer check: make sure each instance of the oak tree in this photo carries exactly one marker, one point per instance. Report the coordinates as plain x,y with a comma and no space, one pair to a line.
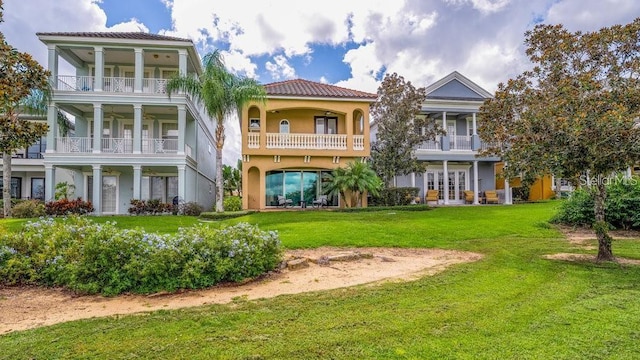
24,85
400,128
575,112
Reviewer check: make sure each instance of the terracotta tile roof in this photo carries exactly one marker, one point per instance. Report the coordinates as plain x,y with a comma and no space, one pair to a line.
306,88
115,35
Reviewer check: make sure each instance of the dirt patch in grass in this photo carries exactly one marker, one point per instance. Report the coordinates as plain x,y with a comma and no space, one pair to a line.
584,238
317,269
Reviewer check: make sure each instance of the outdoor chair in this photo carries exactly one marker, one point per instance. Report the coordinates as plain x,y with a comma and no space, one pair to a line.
284,202
321,201
432,195
490,196
468,196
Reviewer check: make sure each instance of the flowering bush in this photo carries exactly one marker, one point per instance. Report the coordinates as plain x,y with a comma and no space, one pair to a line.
100,258
149,207
28,209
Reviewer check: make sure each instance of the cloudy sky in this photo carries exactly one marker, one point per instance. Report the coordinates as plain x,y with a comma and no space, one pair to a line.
350,43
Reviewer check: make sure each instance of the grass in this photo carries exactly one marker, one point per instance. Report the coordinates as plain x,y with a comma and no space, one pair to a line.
511,304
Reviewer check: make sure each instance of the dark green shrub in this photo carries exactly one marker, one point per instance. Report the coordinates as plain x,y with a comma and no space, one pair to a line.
149,207
395,196
232,203
28,209
622,205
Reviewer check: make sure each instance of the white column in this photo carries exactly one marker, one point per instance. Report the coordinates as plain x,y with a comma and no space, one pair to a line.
137,129
99,61
138,70
52,134
182,62
137,181
53,64
182,128
444,120
182,182
507,188
97,127
413,179
97,189
49,182
475,129
445,181
475,182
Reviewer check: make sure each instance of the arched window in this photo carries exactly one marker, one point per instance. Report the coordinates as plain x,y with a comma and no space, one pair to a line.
284,126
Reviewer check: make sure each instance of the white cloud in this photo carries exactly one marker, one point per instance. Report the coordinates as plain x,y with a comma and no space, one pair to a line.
280,68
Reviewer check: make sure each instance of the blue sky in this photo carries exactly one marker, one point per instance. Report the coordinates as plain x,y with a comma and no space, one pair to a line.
350,43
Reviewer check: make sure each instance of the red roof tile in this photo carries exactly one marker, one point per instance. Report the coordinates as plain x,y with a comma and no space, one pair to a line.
306,88
115,35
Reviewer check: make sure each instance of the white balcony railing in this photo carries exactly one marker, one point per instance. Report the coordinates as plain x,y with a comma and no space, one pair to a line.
460,142
358,142
432,145
306,141
253,140
74,145
110,84
117,145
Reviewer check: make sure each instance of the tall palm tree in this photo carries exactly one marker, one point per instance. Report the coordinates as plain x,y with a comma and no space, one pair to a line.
222,94
356,179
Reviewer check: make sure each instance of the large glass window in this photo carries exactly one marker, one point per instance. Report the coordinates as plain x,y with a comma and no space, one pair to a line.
163,188
35,151
296,185
16,187
37,188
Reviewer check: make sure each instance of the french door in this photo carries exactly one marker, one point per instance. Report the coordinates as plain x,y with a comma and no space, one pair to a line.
455,181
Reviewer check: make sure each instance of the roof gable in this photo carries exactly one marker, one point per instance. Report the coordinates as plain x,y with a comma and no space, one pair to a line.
306,88
455,86
113,35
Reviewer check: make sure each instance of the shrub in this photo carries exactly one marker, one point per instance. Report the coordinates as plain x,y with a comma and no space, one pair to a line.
100,258
64,207
29,209
395,196
191,209
622,205
232,203
149,207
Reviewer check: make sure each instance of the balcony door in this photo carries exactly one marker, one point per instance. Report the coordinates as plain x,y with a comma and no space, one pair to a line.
326,125
451,132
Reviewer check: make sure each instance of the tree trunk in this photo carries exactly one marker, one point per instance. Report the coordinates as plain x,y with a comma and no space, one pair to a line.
600,226
6,184
219,178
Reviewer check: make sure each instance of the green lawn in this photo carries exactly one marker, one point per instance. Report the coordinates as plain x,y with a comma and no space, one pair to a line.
511,304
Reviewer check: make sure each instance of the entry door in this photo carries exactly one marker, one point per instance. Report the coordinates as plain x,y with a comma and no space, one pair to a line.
456,182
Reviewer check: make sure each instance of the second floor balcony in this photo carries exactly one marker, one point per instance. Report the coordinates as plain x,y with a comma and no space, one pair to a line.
85,145
110,84
306,141
453,143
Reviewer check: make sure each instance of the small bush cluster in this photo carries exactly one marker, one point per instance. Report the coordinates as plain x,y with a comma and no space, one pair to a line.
190,209
28,209
622,206
149,207
100,258
65,207
395,196
232,203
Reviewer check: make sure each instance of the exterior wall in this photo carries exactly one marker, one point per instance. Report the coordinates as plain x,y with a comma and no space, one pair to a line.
301,113
542,188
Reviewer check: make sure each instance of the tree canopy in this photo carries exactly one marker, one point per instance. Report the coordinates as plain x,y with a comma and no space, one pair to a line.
352,181
222,94
575,112
400,128
24,84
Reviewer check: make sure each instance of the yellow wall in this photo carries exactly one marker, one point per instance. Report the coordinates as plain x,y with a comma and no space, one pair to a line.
301,114
542,188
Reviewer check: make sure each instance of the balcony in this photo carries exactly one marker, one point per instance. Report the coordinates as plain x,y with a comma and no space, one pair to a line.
305,141
456,143
110,84
84,145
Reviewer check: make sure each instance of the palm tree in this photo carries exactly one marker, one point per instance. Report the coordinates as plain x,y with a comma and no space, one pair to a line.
222,94
356,178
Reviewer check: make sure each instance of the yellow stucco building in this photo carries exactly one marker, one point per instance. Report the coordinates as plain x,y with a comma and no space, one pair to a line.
303,131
